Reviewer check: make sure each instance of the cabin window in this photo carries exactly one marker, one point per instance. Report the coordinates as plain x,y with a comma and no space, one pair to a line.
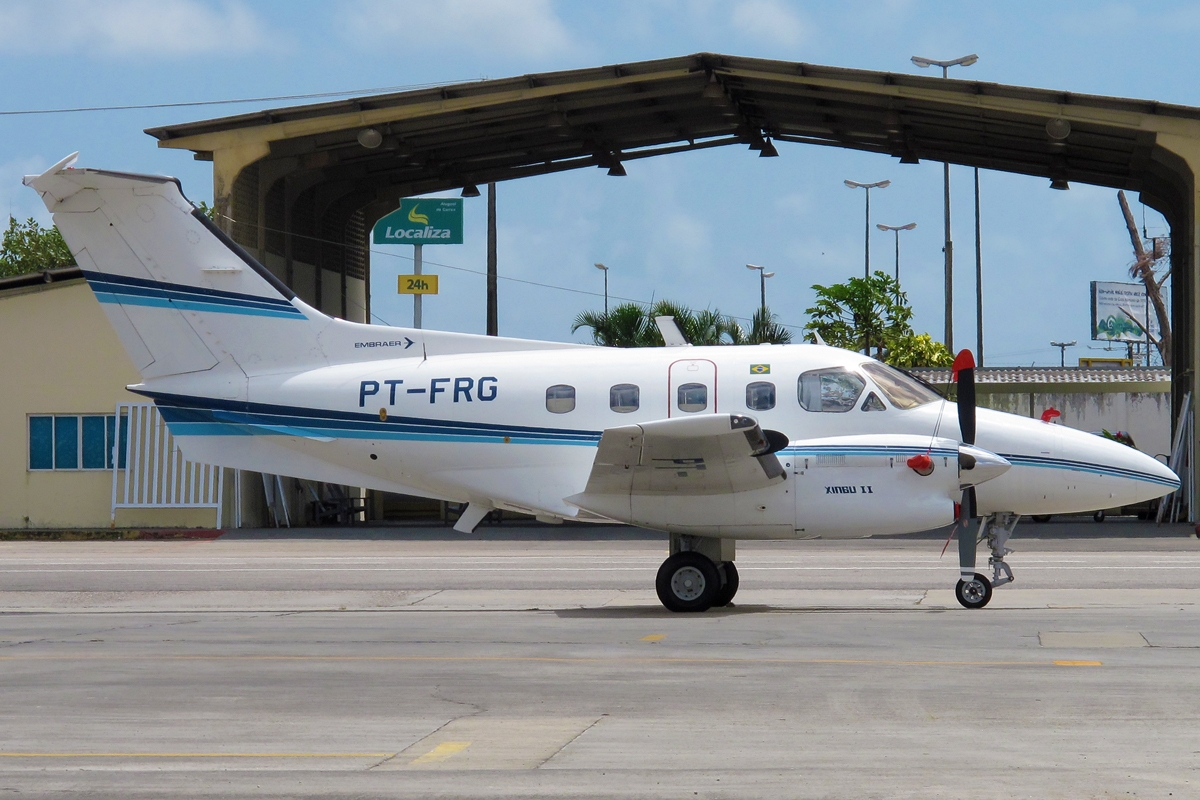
624,398
904,391
693,397
560,399
873,403
835,390
760,396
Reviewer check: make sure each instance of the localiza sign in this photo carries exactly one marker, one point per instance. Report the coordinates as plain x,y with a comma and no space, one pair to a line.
422,220
1117,311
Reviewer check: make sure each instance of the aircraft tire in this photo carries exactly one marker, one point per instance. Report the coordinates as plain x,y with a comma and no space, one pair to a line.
687,582
729,588
974,594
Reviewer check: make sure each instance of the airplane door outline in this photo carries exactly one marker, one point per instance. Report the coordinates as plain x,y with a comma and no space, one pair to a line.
691,370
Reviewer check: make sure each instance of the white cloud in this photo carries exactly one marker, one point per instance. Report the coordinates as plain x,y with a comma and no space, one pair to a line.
125,28
528,28
768,21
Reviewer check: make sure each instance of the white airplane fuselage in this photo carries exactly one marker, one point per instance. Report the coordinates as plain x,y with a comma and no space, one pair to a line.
476,428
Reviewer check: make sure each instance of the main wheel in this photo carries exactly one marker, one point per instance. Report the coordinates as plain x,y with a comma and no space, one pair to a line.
975,593
688,582
729,588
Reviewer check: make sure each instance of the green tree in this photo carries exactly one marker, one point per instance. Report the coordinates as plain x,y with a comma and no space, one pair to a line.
873,315
632,325
28,247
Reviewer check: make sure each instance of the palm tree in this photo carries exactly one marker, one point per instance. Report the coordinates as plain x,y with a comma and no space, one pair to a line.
632,325
626,325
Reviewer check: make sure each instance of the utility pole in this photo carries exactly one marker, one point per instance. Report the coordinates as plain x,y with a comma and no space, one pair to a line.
1062,351
493,320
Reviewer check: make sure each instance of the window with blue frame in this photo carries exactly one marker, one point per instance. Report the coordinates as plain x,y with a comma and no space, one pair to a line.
76,441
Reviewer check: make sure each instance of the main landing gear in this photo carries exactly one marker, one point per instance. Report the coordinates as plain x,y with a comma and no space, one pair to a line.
975,590
698,575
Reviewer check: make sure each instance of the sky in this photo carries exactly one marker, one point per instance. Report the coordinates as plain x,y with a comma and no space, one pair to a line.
679,227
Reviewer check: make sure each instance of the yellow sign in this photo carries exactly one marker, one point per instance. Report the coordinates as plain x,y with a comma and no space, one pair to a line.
418,284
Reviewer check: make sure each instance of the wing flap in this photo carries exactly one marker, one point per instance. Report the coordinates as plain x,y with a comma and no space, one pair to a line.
713,454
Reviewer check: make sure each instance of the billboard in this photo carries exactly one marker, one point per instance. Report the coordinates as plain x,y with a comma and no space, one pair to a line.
422,220
1117,310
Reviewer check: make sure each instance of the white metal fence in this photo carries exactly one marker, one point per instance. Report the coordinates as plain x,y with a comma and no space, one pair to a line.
152,472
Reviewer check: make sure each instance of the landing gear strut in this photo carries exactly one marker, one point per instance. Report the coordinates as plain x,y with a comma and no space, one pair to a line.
698,575
975,590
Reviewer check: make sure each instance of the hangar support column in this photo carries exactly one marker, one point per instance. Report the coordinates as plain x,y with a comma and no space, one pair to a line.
1177,196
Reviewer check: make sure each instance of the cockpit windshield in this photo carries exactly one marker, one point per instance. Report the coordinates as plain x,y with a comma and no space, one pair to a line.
904,391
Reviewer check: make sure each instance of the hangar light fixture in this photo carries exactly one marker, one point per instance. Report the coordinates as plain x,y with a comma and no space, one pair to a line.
768,150
909,157
1058,129
470,190
370,138
1059,183
615,167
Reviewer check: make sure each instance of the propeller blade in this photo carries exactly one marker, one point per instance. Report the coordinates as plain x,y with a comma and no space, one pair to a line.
963,371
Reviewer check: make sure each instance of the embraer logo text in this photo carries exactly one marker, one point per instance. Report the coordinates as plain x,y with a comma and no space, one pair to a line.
458,388
849,490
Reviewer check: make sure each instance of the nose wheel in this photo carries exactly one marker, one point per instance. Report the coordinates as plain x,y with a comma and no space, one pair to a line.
974,593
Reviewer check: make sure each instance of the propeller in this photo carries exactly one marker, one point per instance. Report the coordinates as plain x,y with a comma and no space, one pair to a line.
963,372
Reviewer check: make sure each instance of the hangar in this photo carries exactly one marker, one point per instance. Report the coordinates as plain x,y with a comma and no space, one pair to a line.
301,187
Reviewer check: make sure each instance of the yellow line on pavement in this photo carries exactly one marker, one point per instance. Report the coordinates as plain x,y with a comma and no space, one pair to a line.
654,637
194,755
440,753
1079,663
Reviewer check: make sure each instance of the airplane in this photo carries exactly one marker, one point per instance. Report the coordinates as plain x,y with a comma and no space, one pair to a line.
708,444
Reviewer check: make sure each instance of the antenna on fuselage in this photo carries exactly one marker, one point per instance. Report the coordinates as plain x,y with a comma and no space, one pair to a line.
818,339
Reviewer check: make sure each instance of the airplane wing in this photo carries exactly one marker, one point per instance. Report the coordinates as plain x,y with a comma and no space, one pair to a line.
701,455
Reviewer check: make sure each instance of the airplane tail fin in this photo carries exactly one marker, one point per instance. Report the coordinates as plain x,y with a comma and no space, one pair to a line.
183,297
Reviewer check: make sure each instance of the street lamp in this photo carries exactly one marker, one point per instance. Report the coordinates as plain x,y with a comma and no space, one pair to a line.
604,269
897,229
762,286
867,236
964,61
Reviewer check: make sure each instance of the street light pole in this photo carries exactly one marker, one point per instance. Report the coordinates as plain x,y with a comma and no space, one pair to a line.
867,225
964,61
604,269
978,281
897,229
762,287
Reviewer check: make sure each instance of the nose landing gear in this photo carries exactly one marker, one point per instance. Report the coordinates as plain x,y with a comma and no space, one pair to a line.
975,590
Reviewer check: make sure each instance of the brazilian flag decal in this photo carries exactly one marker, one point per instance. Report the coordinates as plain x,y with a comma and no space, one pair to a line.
760,369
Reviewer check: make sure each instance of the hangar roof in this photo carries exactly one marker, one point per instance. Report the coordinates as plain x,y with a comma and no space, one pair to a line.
496,130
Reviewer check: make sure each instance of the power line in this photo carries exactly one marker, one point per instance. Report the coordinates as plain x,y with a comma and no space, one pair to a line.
480,272
191,104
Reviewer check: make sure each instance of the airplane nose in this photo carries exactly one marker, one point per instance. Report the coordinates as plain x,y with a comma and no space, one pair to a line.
1140,477
976,465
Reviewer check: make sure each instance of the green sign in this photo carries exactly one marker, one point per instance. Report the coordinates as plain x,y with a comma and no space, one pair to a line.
422,220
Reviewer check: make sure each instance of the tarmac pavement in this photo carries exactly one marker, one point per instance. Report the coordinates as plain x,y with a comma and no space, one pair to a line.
512,665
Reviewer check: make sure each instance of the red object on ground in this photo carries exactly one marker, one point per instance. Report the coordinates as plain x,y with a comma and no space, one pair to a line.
1050,413
964,360
922,464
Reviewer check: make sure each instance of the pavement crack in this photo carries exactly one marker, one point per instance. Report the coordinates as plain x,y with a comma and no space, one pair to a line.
570,741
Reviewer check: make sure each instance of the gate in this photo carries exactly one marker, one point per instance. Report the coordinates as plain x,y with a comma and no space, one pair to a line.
151,472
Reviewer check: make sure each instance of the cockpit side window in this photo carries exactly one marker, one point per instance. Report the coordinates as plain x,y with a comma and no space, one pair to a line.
873,403
902,390
624,398
835,389
560,399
